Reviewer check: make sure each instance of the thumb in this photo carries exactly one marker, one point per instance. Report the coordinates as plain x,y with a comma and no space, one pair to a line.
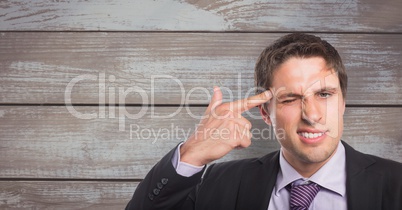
216,99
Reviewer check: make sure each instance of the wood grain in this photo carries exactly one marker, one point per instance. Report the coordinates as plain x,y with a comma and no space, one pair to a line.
164,53
173,68
190,15
49,142
66,195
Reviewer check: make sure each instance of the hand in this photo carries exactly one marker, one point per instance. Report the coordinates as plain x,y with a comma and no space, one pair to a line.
222,129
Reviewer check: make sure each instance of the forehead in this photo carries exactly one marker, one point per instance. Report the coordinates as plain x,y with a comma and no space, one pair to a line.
303,74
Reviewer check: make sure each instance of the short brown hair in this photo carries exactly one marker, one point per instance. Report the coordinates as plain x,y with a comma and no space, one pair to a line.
301,46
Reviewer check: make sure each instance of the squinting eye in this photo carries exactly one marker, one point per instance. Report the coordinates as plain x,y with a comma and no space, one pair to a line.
324,95
288,101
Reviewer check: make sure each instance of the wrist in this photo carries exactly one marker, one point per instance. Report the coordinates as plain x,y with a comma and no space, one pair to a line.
186,156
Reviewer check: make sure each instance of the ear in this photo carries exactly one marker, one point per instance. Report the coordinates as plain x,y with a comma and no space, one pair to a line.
264,114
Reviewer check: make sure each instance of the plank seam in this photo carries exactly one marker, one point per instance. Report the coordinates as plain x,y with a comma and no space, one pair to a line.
190,31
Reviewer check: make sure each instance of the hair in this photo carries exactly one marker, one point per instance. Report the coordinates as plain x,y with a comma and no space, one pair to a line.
297,45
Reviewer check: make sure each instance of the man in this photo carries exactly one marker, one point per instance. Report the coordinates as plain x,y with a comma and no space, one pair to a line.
304,101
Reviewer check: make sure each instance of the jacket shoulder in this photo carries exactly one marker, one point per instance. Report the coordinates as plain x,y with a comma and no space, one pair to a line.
388,168
374,163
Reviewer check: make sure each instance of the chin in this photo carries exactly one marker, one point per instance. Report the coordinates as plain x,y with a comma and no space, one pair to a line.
316,155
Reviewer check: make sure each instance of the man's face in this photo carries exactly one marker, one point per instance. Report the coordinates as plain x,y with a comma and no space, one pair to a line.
307,110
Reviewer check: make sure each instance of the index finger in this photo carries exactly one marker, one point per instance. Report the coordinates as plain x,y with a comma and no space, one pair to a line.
253,101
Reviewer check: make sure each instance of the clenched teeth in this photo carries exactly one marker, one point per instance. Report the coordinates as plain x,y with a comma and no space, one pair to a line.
310,135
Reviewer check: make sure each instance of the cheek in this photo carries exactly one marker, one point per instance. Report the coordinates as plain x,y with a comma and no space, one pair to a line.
341,112
334,118
335,111
286,116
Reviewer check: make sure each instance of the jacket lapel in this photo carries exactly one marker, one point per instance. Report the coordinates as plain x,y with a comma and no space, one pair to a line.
363,187
257,183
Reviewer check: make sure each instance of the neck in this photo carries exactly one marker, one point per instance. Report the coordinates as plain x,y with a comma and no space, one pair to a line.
305,168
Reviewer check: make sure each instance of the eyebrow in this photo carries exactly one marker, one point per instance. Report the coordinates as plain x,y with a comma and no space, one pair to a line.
296,95
330,89
290,95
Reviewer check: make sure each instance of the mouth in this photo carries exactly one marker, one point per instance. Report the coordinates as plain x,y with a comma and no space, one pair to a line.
311,136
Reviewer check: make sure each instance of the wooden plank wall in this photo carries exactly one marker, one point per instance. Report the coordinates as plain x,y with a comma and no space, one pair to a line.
92,92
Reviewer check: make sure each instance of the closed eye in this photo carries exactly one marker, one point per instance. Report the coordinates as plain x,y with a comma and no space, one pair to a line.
289,98
288,101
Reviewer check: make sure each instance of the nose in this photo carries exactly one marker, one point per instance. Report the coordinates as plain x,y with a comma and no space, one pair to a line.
311,111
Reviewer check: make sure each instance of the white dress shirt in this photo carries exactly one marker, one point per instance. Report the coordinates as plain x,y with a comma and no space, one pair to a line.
331,177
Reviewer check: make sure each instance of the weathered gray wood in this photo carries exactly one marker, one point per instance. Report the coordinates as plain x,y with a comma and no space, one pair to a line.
67,195
49,142
176,15
38,67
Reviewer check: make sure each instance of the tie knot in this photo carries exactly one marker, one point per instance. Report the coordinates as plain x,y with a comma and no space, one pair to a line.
301,196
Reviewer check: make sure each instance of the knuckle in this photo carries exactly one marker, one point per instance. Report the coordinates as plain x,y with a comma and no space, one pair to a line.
246,123
247,143
224,106
227,113
239,116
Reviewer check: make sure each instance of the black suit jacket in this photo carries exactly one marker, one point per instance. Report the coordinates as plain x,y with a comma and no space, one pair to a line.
372,183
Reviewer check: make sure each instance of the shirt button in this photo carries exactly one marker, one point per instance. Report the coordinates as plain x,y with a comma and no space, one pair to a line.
151,197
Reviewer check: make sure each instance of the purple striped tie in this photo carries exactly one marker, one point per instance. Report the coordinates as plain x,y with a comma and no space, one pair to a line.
301,196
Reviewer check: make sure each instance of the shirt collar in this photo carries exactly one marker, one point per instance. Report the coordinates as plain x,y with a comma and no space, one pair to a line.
331,176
